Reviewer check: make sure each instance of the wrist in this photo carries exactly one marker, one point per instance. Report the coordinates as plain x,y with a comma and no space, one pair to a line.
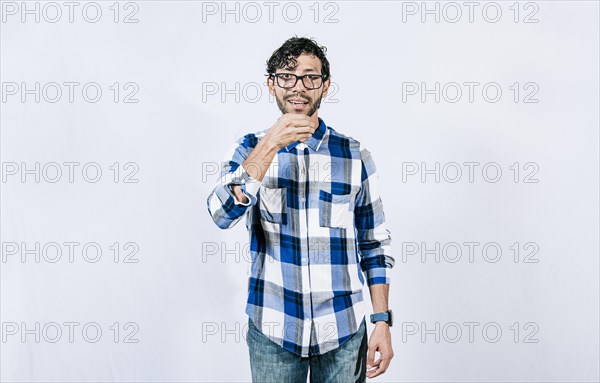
269,145
385,317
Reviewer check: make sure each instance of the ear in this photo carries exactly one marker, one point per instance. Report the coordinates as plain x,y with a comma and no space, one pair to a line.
271,85
326,85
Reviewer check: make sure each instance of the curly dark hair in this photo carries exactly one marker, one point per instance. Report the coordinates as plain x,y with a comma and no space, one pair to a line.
285,56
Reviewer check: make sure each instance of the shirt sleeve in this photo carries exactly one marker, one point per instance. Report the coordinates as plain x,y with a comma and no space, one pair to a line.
223,207
374,240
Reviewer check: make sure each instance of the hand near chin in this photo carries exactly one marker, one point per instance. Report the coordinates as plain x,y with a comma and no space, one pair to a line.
289,128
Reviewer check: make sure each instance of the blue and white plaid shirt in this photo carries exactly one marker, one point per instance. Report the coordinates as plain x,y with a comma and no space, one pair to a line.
316,223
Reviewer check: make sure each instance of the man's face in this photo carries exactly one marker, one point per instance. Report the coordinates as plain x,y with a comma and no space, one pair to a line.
299,99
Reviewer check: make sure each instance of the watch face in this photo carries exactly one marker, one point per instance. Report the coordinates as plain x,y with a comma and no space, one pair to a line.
391,317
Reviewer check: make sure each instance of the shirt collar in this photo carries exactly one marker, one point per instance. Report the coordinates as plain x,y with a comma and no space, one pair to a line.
314,141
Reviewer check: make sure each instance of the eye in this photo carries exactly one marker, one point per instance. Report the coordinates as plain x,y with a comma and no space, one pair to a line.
314,77
285,76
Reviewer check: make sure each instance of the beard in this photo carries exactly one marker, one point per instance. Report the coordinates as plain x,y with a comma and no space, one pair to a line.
312,105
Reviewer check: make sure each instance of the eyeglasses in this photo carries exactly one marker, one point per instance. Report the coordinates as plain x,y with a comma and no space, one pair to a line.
289,80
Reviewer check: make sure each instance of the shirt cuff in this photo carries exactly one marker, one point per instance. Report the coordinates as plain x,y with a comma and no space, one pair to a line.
249,187
377,275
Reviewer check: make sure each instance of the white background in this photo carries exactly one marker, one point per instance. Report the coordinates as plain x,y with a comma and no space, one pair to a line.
186,305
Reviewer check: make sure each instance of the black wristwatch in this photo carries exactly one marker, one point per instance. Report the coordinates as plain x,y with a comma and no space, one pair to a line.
384,316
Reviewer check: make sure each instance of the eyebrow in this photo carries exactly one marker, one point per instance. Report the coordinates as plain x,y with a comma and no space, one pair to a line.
304,71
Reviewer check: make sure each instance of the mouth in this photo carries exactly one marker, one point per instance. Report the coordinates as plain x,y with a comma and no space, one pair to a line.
297,101
297,104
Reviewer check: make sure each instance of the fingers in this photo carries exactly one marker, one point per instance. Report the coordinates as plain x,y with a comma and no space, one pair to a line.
304,130
304,125
383,366
303,136
385,363
376,369
292,127
303,133
373,366
379,366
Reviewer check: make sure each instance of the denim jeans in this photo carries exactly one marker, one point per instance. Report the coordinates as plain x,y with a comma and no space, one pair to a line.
270,363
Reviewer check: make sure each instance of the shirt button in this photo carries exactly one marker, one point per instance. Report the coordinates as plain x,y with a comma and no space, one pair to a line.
302,199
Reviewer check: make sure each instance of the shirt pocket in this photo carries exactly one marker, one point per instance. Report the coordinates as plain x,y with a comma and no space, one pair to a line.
272,205
335,210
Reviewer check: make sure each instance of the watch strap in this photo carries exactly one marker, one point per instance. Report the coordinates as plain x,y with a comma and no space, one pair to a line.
380,317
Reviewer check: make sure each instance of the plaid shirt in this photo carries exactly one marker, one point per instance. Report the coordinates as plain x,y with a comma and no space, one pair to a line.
315,212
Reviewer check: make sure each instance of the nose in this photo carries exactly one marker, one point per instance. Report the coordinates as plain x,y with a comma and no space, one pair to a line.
299,87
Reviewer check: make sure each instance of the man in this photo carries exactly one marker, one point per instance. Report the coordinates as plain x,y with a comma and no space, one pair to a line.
312,207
